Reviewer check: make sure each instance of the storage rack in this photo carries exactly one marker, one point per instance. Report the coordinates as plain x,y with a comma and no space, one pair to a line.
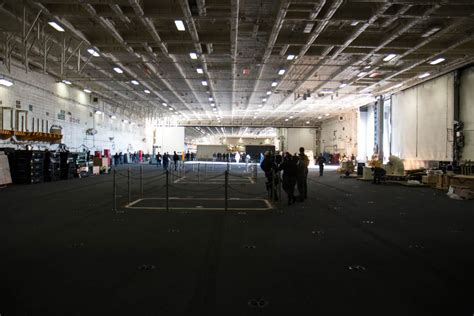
28,167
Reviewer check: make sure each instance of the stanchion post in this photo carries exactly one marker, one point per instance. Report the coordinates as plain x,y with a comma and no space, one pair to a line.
279,191
226,192
167,190
141,182
114,191
205,170
199,167
129,183
273,192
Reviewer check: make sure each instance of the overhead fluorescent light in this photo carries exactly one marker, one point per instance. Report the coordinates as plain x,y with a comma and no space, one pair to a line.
87,91
437,61
286,120
135,82
170,108
431,31
281,72
367,67
274,84
254,117
260,105
113,117
327,91
264,100
361,74
125,121
354,23
342,85
164,104
307,122
309,26
200,70
193,55
179,25
147,91
374,74
6,83
118,70
320,117
56,26
204,83
98,112
426,74
291,117
397,85
213,104
290,57
269,92
327,114
66,82
389,57
211,99
93,52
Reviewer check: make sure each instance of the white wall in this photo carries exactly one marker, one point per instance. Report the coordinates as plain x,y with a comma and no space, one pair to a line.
48,99
340,136
300,137
422,120
467,112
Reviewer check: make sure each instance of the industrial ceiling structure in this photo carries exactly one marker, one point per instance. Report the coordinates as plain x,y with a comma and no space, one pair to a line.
238,62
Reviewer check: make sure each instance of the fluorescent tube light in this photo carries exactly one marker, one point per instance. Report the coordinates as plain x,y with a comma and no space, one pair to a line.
56,26
98,112
204,83
66,82
389,57
179,25
193,55
200,70
361,74
269,92
135,82
342,85
274,84
6,83
147,91
290,57
87,91
437,61
281,72
93,52
426,74
118,70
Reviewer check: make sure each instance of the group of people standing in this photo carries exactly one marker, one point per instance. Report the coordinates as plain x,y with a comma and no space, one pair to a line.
164,160
295,173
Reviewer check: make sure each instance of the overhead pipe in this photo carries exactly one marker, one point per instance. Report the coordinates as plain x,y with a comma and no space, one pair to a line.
234,34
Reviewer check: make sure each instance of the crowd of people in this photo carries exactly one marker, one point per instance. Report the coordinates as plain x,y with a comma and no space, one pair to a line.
231,157
295,174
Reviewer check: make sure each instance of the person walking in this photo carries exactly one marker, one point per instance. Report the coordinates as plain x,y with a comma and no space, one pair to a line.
165,161
269,167
321,161
175,160
302,174
289,168
158,159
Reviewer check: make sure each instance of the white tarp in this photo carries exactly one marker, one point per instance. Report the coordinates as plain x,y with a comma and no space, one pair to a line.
467,112
422,118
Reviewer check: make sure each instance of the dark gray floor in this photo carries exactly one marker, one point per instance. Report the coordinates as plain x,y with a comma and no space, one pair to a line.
352,248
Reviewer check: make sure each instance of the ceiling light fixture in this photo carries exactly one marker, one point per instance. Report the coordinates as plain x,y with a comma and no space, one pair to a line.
327,91
354,23
193,55
164,104
98,112
327,114
269,92
125,121
204,83
431,31
361,74
426,74
6,83
389,57
179,25
200,70
397,85
290,57
281,72
211,99
286,120
437,61
118,70
147,91
56,26
66,82
307,122
87,91
264,100
113,117
291,116
274,84
93,52
342,85
309,26
135,82
374,74
213,104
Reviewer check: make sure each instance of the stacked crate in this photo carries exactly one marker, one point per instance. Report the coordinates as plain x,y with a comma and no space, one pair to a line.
52,167
68,165
28,167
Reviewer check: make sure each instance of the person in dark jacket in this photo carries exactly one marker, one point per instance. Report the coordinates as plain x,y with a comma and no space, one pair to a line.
321,161
302,174
166,160
289,176
175,160
158,159
270,168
